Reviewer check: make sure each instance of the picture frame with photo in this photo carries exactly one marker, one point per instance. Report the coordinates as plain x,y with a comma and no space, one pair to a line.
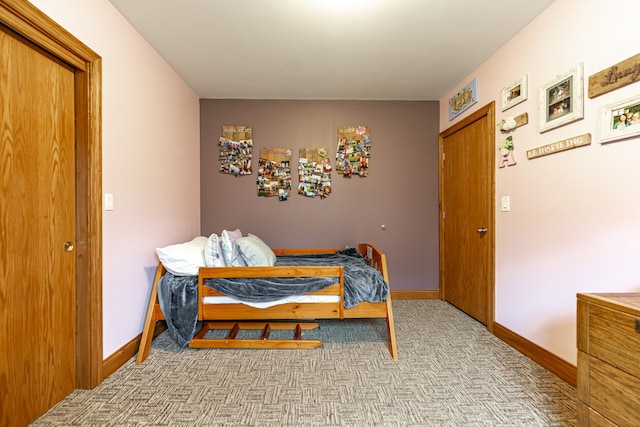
515,93
561,99
620,120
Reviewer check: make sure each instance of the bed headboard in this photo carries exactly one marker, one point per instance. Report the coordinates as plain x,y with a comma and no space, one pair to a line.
376,258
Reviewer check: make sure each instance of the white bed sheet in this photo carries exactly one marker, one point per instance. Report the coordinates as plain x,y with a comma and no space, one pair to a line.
295,299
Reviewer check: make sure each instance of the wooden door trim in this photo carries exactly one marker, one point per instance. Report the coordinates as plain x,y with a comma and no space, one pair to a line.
487,111
25,19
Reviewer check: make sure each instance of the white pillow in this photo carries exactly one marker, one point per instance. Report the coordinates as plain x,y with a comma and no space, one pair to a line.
184,259
213,252
230,249
255,252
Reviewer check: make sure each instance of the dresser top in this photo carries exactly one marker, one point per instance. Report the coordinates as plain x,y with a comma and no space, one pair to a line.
626,302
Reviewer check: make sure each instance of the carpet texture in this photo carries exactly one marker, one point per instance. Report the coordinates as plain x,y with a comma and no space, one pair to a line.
451,372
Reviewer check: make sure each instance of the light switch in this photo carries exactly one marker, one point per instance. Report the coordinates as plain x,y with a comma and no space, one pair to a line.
108,201
506,203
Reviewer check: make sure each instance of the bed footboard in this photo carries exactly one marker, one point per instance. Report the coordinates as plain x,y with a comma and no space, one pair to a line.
378,260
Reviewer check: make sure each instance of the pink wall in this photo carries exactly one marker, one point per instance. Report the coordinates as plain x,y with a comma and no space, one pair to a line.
149,160
574,221
400,192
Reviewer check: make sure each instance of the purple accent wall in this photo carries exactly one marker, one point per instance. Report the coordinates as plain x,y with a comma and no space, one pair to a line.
400,192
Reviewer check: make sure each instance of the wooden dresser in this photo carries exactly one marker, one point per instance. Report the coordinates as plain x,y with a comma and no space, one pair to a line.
609,359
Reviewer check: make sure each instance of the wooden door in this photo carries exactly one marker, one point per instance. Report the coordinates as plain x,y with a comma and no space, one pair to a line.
37,218
467,153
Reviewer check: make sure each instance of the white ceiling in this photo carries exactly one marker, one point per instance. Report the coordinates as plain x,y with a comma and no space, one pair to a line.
327,49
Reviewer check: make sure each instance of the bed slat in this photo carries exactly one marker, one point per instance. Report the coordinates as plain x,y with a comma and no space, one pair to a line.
200,340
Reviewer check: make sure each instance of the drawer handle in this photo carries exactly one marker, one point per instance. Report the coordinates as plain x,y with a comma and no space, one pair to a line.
637,325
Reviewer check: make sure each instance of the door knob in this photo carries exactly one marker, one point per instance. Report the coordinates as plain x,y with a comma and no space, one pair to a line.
68,246
482,230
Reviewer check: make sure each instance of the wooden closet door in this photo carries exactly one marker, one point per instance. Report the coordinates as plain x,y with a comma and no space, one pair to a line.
37,221
467,215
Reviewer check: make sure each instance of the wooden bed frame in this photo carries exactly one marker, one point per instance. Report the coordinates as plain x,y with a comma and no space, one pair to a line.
240,316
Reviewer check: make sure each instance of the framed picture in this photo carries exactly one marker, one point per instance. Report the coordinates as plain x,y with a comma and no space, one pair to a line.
561,99
515,93
620,120
463,99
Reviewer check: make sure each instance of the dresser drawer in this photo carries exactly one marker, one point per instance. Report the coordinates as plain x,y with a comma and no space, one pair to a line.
613,393
608,386
613,338
587,417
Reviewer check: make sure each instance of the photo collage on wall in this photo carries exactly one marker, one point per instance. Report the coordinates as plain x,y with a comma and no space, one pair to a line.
235,144
353,152
274,173
314,171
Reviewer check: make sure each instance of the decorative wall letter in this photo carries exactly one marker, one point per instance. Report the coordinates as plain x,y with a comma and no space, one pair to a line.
507,158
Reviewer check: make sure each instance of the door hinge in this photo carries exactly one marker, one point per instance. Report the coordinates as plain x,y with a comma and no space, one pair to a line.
443,215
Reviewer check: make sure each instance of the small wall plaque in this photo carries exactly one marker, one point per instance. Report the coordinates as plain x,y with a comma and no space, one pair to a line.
463,99
556,147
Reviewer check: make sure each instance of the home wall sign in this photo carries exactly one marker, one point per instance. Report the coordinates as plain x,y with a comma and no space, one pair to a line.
353,152
235,144
617,76
463,99
274,173
563,145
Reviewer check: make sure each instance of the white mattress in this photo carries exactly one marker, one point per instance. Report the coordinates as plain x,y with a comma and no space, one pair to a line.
296,299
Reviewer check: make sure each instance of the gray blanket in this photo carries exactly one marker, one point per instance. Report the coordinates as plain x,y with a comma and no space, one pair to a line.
178,295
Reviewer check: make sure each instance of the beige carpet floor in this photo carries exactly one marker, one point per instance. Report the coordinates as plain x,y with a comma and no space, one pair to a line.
451,372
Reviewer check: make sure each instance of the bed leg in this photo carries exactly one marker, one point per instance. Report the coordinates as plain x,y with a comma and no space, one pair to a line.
391,330
150,321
